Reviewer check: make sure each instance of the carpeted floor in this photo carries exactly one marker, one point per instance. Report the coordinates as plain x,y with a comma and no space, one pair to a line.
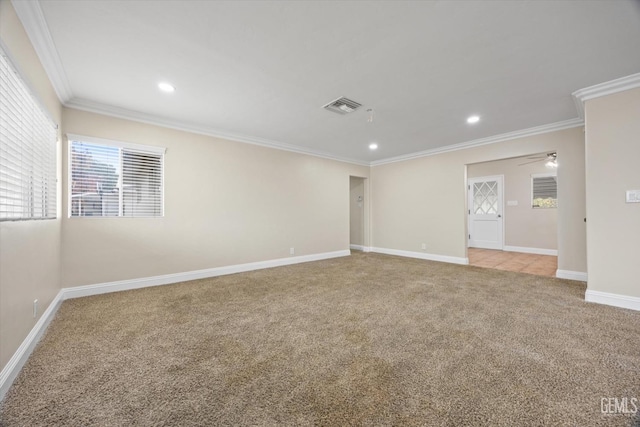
361,340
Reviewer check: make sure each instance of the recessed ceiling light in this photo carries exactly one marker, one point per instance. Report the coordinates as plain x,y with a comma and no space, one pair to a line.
166,87
473,119
373,146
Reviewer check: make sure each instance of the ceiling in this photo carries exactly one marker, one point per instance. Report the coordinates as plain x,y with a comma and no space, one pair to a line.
261,71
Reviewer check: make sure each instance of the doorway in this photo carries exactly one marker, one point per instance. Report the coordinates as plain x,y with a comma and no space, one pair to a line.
486,226
357,209
525,198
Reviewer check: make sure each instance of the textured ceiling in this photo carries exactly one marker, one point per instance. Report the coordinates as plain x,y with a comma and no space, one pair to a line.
262,70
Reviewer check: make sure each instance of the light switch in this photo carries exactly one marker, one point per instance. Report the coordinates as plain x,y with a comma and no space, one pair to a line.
512,203
633,196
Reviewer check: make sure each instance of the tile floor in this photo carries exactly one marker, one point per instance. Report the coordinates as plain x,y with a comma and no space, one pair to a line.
541,265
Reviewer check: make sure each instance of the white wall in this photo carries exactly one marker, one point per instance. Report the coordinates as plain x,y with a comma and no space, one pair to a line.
226,203
613,152
357,205
424,199
29,250
524,226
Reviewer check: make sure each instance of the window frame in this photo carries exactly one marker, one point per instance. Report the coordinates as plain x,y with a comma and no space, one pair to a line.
138,148
543,175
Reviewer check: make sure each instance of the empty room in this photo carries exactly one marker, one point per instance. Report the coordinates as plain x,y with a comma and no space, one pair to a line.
319,213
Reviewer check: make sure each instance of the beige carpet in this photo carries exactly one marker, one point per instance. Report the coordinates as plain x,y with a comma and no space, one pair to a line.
361,340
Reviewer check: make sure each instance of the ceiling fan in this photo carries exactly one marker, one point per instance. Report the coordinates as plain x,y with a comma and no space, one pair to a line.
551,160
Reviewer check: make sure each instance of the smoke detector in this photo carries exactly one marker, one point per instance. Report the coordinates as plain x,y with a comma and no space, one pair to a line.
342,105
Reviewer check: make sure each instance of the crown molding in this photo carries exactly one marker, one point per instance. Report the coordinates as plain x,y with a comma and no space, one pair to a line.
35,25
32,18
122,113
552,127
603,89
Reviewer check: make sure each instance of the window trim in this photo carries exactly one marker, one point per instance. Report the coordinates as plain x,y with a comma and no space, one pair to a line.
542,175
151,149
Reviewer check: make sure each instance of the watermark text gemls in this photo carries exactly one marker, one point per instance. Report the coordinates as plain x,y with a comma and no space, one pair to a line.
619,405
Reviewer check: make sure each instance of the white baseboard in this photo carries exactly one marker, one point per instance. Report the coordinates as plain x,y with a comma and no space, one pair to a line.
356,247
616,300
571,275
422,255
19,358
166,279
525,250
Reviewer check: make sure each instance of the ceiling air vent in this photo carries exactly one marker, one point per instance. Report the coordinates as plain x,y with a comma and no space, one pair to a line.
342,105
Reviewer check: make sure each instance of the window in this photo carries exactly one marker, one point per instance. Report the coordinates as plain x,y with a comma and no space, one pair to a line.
110,178
485,198
28,140
544,190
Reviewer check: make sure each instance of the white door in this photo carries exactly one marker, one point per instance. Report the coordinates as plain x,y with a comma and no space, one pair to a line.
485,212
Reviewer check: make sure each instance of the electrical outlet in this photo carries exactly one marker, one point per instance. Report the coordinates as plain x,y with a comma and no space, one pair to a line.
292,251
424,246
35,308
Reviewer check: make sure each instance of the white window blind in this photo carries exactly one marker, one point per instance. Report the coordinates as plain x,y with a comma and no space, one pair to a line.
111,178
544,191
27,151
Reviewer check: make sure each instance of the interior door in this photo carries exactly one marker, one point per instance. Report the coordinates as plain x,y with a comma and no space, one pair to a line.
485,212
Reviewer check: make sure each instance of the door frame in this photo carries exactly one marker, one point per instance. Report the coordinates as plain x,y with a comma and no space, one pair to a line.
366,211
500,207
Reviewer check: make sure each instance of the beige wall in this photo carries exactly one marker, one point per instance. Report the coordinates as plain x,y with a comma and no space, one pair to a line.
523,225
356,186
226,203
229,203
613,151
423,199
29,250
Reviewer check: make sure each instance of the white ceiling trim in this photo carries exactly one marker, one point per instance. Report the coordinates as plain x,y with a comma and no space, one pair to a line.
35,25
32,18
603,89
566,124
122,113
